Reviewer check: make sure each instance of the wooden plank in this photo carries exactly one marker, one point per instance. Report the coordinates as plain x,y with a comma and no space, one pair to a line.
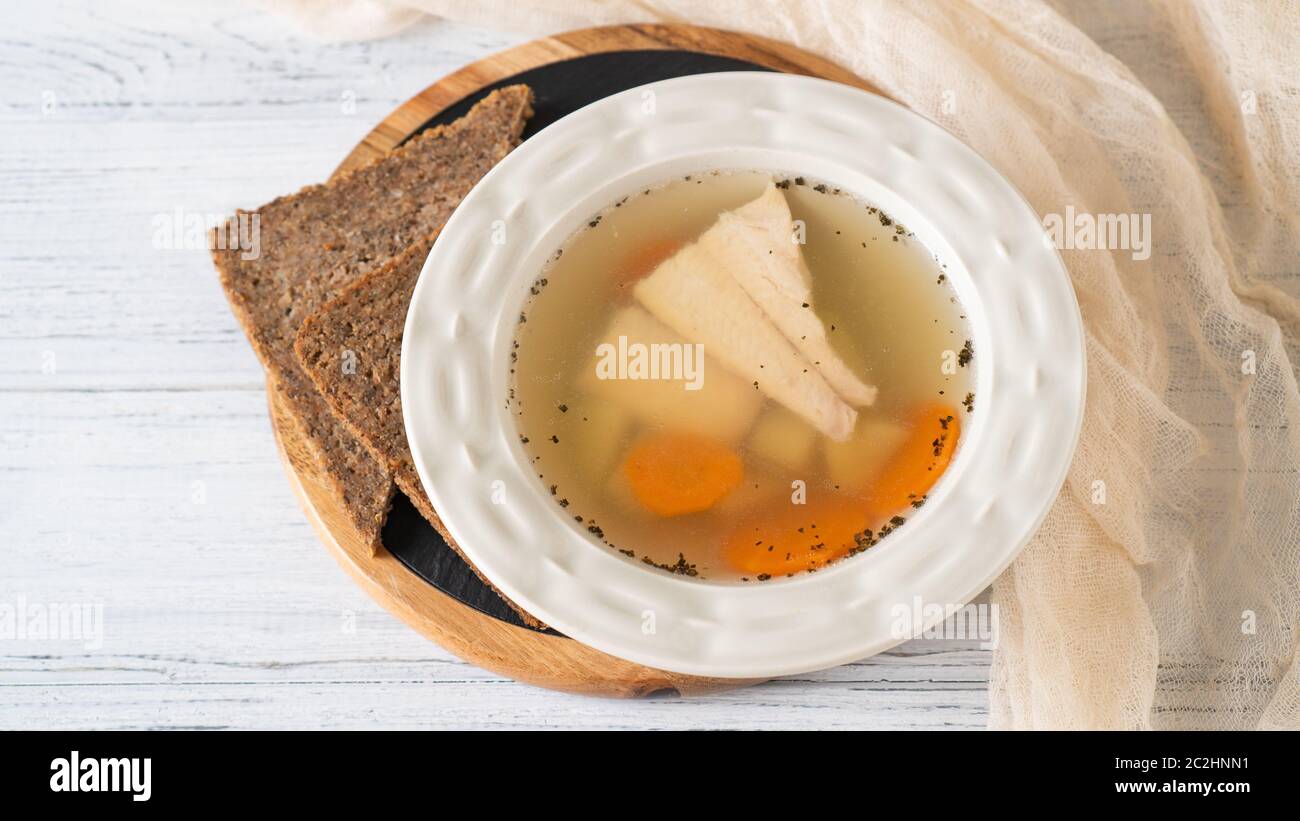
228,613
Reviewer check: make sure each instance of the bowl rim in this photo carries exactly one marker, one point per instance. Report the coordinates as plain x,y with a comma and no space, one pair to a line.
1011,282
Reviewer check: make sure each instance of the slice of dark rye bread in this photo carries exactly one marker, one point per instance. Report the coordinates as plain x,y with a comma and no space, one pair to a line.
323,237
352,349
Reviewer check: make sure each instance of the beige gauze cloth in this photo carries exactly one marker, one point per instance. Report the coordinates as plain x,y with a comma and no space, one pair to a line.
1163,590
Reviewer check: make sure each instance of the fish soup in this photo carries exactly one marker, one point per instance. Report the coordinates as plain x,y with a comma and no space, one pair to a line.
738,376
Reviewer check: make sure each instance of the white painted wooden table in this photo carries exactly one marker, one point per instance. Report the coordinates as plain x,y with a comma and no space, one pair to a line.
137,469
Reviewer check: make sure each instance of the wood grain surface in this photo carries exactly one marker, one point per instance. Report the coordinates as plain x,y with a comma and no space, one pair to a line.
418,110
138,467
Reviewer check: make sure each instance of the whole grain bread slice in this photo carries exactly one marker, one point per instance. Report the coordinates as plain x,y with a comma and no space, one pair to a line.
351,348
313,242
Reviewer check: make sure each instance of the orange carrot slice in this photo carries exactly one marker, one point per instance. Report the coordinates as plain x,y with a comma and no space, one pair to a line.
673,474
807,537
919,461
645,258
798,537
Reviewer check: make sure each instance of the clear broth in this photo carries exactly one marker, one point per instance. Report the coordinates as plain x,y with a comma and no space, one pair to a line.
889,313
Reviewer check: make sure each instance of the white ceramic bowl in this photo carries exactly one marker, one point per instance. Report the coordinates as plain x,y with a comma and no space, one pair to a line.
1015,448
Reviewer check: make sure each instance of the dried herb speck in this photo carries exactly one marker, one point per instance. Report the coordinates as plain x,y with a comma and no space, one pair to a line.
967,353
681,567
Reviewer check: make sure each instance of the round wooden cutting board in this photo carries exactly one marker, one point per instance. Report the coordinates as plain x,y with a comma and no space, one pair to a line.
418,577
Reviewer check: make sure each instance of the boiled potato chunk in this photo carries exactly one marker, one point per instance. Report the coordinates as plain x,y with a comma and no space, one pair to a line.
601,430
853,464
723,408
782,437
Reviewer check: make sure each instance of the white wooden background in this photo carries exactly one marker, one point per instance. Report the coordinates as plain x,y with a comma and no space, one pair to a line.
137,468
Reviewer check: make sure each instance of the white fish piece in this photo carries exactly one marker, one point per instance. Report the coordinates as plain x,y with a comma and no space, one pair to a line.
755,243
695,294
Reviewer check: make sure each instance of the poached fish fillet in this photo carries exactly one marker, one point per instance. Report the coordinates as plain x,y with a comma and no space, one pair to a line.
743,291
755,244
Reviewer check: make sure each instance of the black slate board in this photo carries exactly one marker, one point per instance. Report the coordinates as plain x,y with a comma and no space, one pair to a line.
559,89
